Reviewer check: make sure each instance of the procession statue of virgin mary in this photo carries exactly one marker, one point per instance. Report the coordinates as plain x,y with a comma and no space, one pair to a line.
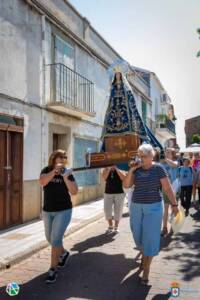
122,116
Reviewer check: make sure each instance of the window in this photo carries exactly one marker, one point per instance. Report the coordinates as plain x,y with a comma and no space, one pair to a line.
6,119
84,178
64,53
65,78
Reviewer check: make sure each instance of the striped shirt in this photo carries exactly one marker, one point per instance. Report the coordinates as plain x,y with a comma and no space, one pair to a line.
147,184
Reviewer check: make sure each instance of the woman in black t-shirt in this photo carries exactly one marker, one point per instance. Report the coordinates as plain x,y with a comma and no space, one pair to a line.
58,184
113,197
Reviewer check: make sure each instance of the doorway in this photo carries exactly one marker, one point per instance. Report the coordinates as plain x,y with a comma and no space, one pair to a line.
11,175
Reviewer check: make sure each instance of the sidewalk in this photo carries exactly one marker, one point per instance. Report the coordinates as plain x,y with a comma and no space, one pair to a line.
23,240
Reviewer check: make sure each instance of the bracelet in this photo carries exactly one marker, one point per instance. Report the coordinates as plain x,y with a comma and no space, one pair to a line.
174,205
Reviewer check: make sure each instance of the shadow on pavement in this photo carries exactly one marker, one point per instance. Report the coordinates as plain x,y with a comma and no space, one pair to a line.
196,216
93,242
162,296
165,241
187,245
90,275
189,256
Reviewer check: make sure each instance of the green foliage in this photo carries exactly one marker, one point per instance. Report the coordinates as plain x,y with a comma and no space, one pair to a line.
196,138
162,118
198,31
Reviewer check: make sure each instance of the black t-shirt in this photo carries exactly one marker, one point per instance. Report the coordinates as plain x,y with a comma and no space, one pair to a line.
56,194
114,184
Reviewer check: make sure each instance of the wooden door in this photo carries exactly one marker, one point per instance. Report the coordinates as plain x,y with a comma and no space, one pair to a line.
16,162
2,176
11,173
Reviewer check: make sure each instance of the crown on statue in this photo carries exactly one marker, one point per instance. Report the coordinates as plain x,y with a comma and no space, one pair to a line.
118,66
117,69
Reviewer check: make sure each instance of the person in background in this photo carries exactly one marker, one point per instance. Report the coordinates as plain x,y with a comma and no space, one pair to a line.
198,184
147,205
191,157
157,155
180,159
195,165
58,185
186,178
113,197
170,165
196,161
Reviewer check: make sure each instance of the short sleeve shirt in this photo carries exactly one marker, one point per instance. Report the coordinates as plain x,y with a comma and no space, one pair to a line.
56,194
148,185
114,184
171,171
186,176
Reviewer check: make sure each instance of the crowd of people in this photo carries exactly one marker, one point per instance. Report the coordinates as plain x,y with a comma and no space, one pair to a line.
154,183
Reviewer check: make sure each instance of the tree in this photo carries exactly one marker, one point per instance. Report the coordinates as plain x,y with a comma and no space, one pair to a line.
196,138
198,31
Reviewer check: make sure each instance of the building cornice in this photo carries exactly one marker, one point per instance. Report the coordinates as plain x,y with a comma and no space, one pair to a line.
45,108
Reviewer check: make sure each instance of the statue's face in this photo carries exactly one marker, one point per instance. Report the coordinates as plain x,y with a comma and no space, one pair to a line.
118,76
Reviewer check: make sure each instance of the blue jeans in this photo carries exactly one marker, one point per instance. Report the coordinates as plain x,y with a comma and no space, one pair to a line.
145,222
55,224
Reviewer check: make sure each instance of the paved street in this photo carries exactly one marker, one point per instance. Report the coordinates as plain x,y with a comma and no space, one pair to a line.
103,267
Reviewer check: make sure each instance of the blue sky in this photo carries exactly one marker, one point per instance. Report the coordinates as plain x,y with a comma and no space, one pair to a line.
159,35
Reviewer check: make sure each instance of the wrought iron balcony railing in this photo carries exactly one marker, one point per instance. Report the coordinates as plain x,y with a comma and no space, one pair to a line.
70,89
171,126
168,125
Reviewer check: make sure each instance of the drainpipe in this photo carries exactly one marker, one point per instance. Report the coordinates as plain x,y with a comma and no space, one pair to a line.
43,83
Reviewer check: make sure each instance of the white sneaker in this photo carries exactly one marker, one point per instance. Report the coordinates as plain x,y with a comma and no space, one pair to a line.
116,230
109,230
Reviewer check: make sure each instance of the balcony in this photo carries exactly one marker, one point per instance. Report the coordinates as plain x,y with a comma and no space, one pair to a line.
165,127
69,92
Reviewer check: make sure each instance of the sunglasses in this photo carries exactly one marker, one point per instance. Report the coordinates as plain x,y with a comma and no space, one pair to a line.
63,157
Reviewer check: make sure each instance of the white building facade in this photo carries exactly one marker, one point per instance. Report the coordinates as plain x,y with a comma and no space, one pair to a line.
161,113
53,94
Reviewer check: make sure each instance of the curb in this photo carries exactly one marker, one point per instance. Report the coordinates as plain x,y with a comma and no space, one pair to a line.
7,263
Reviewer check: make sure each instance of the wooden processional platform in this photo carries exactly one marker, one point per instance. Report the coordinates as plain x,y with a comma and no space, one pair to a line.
118,149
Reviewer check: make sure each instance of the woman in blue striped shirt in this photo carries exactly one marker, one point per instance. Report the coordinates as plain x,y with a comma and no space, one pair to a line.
146,214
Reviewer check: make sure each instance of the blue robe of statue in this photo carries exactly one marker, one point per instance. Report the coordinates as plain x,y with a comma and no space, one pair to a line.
122,116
